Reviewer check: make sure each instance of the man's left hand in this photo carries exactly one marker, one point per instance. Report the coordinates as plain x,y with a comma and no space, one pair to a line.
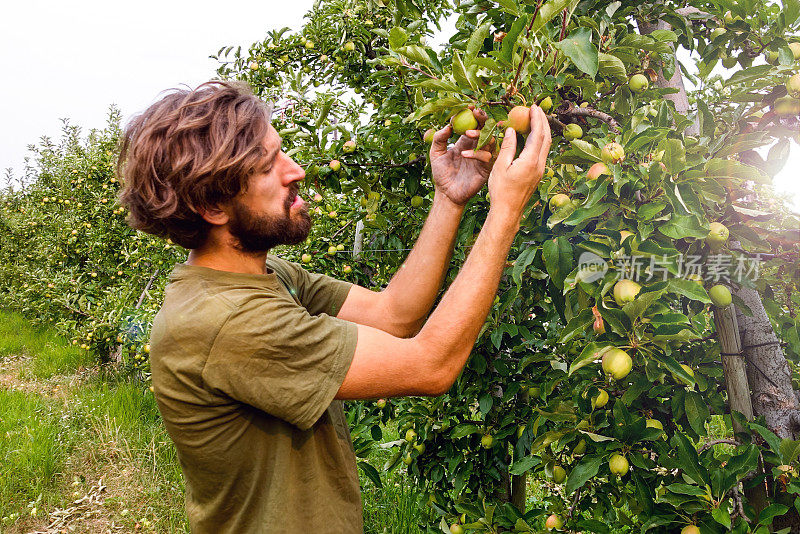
461,171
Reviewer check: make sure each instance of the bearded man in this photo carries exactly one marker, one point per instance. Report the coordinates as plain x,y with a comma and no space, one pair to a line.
251,355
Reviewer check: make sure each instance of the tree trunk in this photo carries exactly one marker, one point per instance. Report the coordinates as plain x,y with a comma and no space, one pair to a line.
680,98
768,372
772,394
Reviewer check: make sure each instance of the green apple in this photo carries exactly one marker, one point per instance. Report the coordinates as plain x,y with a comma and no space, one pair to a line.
332,215
559,201
347,269
654,423
617,363
335,165
349,147
597,170
331,250
416,201
601,399
638,83
553,522
380,403
559,474
612,153
463,120
795,48
305,258
572,131
625,291
324,58
717,234
411,435
309,45
720,296
793,86
690,529
428,137
349,46
519,118
618,464
455,528
487,441
546,104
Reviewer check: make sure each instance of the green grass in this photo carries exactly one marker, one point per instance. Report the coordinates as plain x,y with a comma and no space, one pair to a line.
51,354
35,444
393,508
54,448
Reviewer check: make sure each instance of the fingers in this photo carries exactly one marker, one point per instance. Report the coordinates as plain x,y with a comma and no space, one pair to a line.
439,145
507,149
480,155
538,143
480,116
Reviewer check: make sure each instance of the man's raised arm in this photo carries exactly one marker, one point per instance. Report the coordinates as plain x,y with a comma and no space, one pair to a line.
429,363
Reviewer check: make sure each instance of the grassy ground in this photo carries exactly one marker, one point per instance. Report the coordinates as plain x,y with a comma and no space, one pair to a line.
85,451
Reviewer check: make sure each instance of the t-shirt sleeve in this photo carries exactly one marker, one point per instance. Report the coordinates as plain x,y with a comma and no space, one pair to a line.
319,293
273,355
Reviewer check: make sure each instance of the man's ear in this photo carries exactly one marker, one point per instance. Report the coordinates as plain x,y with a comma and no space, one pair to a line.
216,215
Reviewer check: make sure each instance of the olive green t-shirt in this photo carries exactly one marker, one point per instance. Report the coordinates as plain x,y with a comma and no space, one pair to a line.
245,369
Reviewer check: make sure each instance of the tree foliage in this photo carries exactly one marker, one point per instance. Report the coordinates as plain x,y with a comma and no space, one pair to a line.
366,72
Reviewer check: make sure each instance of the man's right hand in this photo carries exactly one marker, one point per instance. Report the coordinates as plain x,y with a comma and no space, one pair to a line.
513,181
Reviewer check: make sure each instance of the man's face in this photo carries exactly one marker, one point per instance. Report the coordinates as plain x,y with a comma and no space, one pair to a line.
270,212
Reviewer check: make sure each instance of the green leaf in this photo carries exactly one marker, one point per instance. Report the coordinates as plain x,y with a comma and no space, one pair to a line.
587,150
581,473
589,354
475,42
583,214
510,40
683,226
771,439
611,67
722,516
464,429
558,260
748,75
415,53
773,510
686,459
509,6
790,450
674,155
397,37
460,74
689,289
550,10
696,411
577,325
371,473
525,464
578,47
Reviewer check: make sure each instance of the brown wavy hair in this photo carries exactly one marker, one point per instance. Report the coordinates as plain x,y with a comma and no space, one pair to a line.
190,150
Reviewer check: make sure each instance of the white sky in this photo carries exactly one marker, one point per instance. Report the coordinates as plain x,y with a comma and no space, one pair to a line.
74,59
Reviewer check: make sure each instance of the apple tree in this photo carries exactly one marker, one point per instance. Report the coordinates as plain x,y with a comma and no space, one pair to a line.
598,374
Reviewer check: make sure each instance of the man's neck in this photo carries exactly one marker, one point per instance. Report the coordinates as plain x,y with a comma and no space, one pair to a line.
229,260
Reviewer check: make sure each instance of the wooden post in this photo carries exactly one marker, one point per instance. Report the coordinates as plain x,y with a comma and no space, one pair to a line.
518,488
358,242
733,364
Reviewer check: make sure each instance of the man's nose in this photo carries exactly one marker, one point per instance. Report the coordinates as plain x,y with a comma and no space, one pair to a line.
295,172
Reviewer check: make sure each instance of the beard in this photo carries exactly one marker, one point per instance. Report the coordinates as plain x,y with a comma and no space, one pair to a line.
258,233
